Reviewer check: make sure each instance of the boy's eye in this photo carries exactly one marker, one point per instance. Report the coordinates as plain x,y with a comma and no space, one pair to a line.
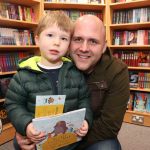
49,35
64,39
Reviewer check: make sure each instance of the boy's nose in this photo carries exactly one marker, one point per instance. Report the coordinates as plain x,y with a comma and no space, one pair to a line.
57,41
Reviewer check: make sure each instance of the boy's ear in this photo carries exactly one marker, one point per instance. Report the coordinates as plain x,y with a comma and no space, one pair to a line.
36,38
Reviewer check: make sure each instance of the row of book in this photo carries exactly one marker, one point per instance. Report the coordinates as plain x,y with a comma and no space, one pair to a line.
74,14
4,82
3,114
139,79
17,12
131,15
10,36
77,1
9,60
139,101
132,37
134,58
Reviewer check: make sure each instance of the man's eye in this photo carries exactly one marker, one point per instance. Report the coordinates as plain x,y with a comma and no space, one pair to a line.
93,42
77,39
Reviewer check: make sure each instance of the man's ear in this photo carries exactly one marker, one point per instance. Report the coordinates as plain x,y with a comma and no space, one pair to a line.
36,38
105,46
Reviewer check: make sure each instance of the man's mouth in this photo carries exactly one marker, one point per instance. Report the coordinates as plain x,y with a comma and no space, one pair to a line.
83,56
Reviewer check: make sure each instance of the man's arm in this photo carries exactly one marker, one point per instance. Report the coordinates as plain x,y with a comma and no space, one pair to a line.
24,143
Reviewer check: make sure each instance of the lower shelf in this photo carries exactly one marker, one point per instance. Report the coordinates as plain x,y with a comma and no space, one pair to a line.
7,134
140,118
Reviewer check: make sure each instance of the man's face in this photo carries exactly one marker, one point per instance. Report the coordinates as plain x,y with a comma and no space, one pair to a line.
87,45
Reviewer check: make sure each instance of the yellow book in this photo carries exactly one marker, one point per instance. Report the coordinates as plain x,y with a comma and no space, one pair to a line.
48,105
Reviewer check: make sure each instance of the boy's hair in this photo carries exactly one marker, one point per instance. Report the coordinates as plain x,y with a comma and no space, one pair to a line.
55,17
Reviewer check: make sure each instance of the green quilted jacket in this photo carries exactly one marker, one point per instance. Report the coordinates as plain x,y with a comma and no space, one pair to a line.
30,81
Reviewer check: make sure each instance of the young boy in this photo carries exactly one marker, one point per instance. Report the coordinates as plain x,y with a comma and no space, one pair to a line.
48,74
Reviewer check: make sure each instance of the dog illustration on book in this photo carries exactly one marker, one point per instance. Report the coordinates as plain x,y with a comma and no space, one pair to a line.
59,128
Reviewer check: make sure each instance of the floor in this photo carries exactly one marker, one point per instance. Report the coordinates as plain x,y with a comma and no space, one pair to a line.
132,137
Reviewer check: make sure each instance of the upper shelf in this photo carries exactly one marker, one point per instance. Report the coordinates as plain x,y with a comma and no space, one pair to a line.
48,5
139,89
131,26
139,68
23,2
7,73
132,4
17,23
12,47
128,47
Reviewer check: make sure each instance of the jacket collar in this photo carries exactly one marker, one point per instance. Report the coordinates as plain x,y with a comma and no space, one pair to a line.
31,63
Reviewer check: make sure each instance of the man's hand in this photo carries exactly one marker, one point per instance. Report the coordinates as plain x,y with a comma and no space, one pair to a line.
83,130
24,142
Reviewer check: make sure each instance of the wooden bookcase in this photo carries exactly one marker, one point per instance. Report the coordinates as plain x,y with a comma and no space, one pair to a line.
135,117
107,10
8,130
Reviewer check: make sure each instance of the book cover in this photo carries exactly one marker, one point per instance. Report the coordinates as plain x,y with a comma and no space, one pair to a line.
60,129
132,37
47,105
133,77
148,103
140,101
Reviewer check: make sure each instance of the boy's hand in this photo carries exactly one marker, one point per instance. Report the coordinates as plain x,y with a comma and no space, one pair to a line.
34,135
83,130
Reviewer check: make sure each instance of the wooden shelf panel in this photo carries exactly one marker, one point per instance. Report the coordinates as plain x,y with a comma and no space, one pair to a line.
140,118
2,100
130,26
7,134
139,68
15,47
48,5
140,90
132,4
17,23
22,2
128,47
7,73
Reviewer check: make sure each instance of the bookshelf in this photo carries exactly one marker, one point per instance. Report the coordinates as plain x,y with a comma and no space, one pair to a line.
107,10
23,9
131,116
100,8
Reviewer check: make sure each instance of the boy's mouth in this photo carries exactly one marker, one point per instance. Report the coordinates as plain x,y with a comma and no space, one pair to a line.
54,52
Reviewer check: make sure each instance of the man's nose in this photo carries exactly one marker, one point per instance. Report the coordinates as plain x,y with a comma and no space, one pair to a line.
84,46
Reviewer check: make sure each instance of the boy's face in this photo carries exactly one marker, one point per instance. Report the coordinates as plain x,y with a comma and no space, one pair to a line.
53,44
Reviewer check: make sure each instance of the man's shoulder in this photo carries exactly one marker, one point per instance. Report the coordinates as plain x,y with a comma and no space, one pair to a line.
118,64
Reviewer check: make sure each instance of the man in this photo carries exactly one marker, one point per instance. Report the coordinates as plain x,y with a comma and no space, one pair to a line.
108,81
